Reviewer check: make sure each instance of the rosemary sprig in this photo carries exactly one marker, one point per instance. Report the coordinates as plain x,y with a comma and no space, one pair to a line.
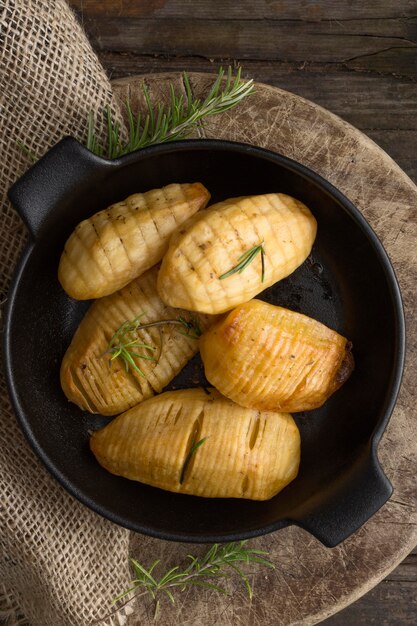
176,120
189,456
160,123
192,326
246,258
219,562
122,344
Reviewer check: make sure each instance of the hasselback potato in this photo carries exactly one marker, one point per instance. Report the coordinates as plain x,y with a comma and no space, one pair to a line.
267,357
270,235
114,246
99,385
197,442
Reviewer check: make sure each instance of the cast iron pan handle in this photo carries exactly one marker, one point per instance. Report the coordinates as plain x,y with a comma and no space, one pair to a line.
66,166
365,490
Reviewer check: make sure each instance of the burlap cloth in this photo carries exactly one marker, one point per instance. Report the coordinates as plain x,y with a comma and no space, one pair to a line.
60,563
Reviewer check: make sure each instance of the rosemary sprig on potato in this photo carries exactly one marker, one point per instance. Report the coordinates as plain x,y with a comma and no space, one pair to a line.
245,259
122,344
192,451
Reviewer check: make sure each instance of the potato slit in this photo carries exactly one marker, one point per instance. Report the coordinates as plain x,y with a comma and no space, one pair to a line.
245,485
137,382
174,206
218,238
178,415
78,384
155,220
263,429
136,221
192,263
97,265
255,432
302,382
113,227
193,438
101,243
251,222
278,243
169,413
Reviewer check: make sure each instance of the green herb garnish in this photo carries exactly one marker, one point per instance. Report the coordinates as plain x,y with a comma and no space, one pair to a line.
246,258
123,344
161,123
176,120
192,451
219,562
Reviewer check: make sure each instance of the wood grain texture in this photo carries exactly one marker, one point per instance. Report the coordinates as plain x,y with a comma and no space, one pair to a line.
379,38
304,10
311,582
266,41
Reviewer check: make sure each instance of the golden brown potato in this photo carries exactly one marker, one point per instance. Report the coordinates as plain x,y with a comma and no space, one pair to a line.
204,249
109,249
267,357
242,453
95,385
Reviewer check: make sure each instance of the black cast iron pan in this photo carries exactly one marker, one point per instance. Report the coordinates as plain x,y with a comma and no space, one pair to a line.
347,283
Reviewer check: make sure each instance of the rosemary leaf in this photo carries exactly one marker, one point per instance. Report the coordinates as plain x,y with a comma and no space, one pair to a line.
245,259
122,342
162,123
219,562
189,456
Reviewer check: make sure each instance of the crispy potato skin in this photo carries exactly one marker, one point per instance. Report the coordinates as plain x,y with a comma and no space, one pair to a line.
267,357
111,248
210,244
247,453
88,379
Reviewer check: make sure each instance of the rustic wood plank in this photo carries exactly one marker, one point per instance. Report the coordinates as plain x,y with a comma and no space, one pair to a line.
406,571
369,102
349,43
263,9
401,145
388,604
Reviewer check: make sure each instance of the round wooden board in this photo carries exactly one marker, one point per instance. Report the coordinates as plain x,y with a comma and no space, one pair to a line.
312,582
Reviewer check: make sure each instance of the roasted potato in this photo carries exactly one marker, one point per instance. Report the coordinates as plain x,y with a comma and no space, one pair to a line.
99,385
274,231
196,441
269,358
111,248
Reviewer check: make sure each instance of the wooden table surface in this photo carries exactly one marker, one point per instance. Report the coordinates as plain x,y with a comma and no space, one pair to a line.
359,60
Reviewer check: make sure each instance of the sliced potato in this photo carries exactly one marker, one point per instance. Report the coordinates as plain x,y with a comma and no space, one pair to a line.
109,249
242,454
95,384
202,251
267,357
